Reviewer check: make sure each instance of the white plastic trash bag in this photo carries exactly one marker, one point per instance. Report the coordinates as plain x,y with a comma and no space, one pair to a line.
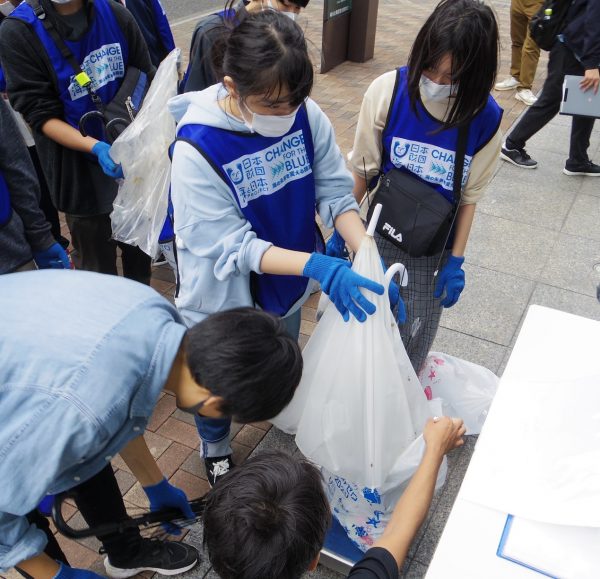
467,389
140,208
359,404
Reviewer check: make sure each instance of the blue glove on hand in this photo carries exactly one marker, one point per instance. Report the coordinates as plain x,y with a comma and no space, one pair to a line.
395,299
66,572
164,495
451,281
55,257
110,168
341,284
336,246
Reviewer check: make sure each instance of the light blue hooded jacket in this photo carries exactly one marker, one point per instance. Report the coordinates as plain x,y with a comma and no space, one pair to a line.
216,247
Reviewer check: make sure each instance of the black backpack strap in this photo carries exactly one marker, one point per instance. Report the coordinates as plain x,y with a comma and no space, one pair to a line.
81,78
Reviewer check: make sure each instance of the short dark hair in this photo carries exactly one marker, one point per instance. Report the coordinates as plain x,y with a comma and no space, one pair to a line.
468,31
246,357
264,54
267,518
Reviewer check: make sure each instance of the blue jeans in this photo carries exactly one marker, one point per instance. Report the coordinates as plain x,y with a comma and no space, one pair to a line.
214,432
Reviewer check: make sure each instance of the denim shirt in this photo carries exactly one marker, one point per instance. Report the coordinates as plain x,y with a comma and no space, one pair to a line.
83,359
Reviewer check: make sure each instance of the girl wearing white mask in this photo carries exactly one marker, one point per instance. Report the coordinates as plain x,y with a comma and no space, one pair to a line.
409,121
254,158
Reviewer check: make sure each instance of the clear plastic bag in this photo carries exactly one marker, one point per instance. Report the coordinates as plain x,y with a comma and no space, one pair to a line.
140,208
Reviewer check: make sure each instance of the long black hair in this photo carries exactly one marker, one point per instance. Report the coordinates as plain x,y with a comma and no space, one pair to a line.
468,31
266,54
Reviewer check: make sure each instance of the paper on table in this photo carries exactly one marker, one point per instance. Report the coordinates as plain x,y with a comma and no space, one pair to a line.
557,550
545,464
539,453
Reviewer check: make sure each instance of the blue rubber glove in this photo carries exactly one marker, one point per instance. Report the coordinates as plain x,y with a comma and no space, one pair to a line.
55,257
45,507
110,168
66,572
341,284
395,299
164,495
336,246
451,281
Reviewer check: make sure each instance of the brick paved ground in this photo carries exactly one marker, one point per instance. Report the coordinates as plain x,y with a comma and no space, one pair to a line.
171,435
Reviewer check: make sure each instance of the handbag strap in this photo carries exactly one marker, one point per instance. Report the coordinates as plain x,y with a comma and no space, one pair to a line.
81,77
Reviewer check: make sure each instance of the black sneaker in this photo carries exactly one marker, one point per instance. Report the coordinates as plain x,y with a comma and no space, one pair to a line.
517,157
164,557
588,169
216,467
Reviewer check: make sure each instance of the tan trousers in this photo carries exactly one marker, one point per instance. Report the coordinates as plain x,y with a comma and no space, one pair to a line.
525,52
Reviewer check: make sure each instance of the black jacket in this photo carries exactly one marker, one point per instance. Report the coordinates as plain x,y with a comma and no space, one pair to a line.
582,32
201,73
76,182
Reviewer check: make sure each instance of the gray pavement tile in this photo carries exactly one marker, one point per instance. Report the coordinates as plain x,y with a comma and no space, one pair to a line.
276,439
570,265
520,198
548,177
584,217
509,247
566,301
476,350
491,305
591,185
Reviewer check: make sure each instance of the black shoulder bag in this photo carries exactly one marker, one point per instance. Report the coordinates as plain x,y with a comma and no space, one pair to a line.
545,28
110,119
414,216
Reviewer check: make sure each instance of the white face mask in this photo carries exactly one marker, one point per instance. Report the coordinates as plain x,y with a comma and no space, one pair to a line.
6,8
291,15
61,1
268,125
432,91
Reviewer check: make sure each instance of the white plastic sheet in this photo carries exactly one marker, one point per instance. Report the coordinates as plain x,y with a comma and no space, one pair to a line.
140,208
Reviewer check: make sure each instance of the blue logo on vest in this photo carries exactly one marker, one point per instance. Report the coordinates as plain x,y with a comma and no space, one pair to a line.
269,170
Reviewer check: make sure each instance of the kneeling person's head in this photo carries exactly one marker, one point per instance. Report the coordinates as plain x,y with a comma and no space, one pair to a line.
267,519
246,361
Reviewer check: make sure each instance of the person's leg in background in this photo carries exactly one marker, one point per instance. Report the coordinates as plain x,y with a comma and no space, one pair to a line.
91,237
540,113
530,54
136,264
518,32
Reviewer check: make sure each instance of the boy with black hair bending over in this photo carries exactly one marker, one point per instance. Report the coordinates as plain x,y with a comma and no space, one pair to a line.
79,380
267,519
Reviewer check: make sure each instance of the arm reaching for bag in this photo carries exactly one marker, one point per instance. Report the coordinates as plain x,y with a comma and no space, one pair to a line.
441,436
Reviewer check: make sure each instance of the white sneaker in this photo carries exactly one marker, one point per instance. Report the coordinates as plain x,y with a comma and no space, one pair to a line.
507,84
526,96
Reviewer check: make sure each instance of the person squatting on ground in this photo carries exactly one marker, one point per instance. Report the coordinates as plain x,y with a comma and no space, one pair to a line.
525,53
268,518
25,237
576,51
200,72
105,40
88,393
409,120
254,158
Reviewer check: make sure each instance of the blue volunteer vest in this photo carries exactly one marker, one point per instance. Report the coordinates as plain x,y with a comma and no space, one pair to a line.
272,181
411,143
102,53
5,206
